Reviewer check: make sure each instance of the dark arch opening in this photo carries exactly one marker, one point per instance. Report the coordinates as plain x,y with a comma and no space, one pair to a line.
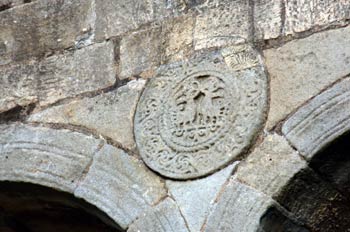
28,207
318,197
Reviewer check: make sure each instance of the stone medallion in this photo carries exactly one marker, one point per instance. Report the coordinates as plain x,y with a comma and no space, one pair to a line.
195,117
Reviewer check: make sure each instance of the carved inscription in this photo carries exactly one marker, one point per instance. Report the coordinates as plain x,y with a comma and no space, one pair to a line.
192,119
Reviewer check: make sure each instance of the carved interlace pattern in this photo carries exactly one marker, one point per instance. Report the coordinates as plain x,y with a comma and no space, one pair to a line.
193,119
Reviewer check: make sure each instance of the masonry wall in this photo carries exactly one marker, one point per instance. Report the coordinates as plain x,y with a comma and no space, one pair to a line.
72,74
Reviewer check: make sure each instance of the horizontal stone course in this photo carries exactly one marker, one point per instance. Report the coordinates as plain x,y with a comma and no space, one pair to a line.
57,77
41,27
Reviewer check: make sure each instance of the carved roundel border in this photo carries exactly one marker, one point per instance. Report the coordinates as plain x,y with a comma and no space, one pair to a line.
195,117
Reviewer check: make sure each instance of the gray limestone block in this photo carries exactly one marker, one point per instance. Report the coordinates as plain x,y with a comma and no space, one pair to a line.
195,198
301,68
302,15
57,77
268,19
54,158
43,26
109,114
222,23
270,166
320,121
140,51
238,209
114,18
120,185
164,217
144,50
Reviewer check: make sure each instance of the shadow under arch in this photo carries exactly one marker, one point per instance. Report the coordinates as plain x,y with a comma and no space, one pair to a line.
317,198
29,207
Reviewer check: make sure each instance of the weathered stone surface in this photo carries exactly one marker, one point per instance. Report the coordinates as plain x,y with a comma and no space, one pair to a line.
196,116
268,19
219,24
303,15
110,114
8,4
195,198
43,26
177,38
239,208
114,18
322,120
270,166
120,185
165,217
302,68
140,51
57,77
54,158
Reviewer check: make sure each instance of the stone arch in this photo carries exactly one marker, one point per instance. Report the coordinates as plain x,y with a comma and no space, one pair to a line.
317,196
79,164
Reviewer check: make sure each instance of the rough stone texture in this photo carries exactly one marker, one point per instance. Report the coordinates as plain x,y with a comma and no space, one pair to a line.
110,114
196,116
165,217
117,17
146,49
222,23
54,158
303,15
270,166
140,51
268,19
322,120
302,68
195,198
120,185
41,27
57,77
239,208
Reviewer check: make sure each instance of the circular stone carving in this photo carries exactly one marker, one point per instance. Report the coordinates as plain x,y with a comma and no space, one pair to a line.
194,118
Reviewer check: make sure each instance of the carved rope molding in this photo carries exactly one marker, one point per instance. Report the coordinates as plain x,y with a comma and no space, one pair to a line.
319,122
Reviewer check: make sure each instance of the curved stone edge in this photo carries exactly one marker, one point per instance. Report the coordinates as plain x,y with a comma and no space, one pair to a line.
105,176
55,158
120,185
319,122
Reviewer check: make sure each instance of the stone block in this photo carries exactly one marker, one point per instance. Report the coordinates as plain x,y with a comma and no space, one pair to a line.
303,15
220,24
195,198
110,114
54,158
322,120
114,18
301,68
43,26
164,217
239,208
120,185
140,51
57,77
268,19
270,166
